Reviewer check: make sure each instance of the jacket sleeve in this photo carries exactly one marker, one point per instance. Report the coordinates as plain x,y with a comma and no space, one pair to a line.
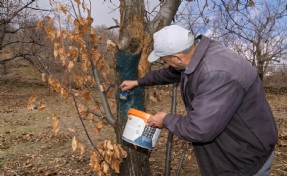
216,99
159,77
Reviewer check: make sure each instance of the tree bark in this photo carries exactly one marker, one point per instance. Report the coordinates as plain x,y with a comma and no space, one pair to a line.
134,47
128,55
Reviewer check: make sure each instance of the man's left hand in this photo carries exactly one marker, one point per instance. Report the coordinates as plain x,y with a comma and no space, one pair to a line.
157,120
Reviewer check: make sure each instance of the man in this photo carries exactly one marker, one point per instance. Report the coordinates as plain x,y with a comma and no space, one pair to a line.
228,121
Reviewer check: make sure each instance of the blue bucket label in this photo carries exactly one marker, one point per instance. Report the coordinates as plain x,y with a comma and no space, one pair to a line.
140,134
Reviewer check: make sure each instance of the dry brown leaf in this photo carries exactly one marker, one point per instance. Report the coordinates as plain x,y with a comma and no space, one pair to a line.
55,121
69,18
74,52
84,64
105,167
81,148
89,80
96,55
79,81
109,145
62,55
31,101
72,130
94,37
117,152
51,32
251,3
79,39
78,2
41,106
44,77
64,93
83,6
96,130
63,34
70,65
56,50
95,162
100,124
53,83
64,9
82,110
90,117
39,25
87,95
102,88
116,165
74,143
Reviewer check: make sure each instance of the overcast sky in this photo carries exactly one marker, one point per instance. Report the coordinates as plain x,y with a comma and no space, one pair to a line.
103,12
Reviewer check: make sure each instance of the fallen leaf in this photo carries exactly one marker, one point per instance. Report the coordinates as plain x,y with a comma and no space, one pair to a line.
74,143
72,130
41,106
81,148
31,101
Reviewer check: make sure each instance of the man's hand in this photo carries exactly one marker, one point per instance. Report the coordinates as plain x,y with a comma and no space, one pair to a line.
128,84
157,119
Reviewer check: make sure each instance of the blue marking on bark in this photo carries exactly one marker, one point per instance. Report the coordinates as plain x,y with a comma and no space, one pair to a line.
127,68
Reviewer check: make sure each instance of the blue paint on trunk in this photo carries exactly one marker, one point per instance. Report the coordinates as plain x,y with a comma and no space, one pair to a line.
127,68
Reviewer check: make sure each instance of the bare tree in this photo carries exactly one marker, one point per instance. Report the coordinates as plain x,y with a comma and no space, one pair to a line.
18,37
256,31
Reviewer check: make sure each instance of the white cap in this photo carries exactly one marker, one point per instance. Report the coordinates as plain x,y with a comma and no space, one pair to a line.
170,40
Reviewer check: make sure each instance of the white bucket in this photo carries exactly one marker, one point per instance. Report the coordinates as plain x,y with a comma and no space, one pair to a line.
138,132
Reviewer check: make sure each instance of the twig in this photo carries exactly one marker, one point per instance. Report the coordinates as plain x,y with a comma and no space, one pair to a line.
75,102
112,27
182,158
87,134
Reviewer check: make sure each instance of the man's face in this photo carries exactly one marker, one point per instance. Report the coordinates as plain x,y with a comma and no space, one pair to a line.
173,61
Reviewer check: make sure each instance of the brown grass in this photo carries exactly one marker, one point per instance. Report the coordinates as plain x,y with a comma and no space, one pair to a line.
28,146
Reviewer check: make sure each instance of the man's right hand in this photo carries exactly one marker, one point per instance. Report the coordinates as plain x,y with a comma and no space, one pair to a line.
128,84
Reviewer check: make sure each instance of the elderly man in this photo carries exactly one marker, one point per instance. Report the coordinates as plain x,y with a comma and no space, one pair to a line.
228,119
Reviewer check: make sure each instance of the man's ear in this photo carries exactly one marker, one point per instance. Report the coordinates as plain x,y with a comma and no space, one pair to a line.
179,58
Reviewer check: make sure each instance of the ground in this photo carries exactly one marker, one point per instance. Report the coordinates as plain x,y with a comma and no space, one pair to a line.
29,147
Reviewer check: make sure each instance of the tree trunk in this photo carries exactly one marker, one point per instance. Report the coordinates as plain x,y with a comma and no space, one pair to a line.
133,47
260,66
2,32
128,55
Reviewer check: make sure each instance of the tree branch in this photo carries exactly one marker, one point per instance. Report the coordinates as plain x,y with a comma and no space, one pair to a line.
17,11
47,10
112,27
28,42
15,31
11,58
165,15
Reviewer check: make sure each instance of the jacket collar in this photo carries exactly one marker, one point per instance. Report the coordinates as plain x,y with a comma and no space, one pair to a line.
198,55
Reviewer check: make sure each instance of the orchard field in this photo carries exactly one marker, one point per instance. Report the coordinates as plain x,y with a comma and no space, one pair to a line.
29,147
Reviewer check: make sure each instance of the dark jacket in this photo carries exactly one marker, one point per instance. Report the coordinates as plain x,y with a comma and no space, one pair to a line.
228,118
